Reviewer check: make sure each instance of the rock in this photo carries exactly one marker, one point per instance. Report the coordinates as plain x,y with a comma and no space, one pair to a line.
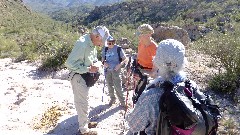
124,43
174,32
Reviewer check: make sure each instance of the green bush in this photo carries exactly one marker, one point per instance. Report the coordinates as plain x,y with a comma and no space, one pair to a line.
57,54
56,61
224,83
225,50
127,31
8,48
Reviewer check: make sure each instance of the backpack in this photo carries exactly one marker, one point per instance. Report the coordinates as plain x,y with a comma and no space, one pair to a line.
142,83
118,51
184,111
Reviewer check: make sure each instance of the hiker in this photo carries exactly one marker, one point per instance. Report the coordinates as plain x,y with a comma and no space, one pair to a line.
81,62
144,66
113,58
170,62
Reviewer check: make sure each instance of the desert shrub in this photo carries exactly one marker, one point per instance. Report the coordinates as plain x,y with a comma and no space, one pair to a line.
127,31
8,48
56,61
57,54
224,83
224,49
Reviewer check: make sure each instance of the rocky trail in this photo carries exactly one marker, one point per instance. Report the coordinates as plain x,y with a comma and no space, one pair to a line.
41,103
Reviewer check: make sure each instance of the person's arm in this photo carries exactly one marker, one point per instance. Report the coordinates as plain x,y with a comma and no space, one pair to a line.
138,119
75,60
103,55
124,60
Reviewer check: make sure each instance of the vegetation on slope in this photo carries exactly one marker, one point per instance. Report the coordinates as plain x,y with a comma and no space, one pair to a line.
27,35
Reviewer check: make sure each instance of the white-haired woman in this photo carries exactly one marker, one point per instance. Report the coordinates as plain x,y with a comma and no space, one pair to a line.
170,61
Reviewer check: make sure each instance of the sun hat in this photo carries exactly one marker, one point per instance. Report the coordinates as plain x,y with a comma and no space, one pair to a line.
170,57
103,32
110,39
144,29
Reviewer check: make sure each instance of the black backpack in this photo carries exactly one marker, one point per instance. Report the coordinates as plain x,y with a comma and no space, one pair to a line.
118,51
184,107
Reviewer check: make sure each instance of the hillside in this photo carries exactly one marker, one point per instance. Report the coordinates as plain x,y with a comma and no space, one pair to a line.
197,17
25,34
48,6
210,13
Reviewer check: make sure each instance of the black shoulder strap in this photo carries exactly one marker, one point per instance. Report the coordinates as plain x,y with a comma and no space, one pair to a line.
118,51
196,104
106,48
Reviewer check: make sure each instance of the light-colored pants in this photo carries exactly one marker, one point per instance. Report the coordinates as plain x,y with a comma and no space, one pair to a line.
80,92
114,82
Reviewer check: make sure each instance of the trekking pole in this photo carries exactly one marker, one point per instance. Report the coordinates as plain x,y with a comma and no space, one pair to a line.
129,75
134,88
104,82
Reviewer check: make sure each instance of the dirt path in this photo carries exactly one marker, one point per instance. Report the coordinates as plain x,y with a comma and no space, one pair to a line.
40,103
33,104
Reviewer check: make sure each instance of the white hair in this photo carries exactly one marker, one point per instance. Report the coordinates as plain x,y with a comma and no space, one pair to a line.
170,59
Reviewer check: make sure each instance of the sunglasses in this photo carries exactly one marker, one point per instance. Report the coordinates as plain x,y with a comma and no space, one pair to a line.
110,43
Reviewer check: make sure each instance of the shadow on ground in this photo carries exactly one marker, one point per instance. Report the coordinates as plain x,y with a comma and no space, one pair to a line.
70,125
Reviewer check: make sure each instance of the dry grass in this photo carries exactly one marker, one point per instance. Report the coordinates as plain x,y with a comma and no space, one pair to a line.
49,118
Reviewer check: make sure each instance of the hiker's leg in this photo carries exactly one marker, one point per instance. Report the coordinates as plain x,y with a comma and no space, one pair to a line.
110,85
141,85
80,91
117,84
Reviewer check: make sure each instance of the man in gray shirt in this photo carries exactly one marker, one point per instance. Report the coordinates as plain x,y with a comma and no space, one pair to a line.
80,61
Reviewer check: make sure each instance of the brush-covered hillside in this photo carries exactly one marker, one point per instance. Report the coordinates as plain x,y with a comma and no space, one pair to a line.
198,17
25,34
177,12
46,6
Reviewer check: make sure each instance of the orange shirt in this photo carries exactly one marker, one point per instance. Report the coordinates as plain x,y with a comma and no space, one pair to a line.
146,54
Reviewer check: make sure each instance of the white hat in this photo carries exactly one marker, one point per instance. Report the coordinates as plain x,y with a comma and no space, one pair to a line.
170,57
103,32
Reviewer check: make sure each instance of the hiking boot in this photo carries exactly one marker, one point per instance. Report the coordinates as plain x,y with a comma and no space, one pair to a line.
92,124
112,102
89,132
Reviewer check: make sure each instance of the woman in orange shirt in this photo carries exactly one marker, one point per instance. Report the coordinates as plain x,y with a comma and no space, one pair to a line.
144,65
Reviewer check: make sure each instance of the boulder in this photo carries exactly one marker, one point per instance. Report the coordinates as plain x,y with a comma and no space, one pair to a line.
173,32
124,43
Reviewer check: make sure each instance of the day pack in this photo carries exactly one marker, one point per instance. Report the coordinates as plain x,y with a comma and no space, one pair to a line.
185,111
90,78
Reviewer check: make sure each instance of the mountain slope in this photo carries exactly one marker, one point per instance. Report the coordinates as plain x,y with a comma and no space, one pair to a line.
46,6
27,35
153,11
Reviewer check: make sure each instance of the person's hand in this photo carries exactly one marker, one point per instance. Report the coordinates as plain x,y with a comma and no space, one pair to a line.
106,65
117,67
136,77
93,69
